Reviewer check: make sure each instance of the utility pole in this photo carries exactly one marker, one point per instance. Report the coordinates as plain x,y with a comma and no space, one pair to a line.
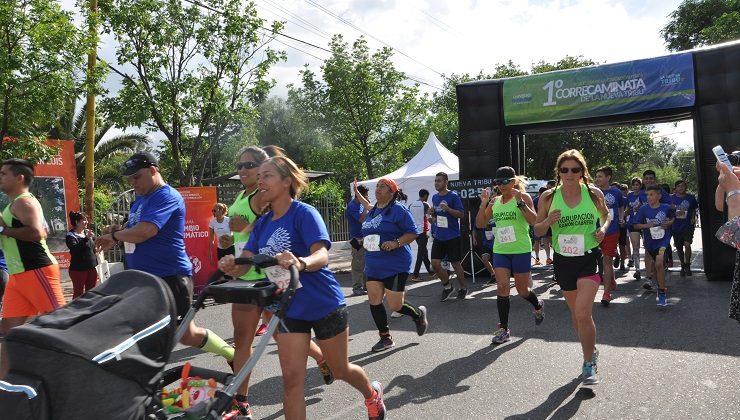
90,114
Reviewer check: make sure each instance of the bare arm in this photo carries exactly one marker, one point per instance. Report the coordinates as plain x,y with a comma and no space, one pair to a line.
27,211
545,220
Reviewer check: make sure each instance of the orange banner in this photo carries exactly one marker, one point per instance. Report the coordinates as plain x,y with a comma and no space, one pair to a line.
55,186
199,202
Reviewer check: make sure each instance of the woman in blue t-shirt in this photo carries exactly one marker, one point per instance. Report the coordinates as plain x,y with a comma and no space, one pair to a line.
387,232
294,233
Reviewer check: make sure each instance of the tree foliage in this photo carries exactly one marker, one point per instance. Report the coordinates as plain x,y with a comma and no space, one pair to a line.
363,106
702,22
42,65
192,71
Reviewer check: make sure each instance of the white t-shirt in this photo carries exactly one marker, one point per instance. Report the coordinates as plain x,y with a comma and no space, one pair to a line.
418,212
220,228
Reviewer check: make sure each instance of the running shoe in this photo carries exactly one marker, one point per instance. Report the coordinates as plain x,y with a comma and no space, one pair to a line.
630,263
539,314
548,261
595,359
461,294
606,298
501,335
239,411
662,299
622,268
261,330
421,321
615,263
325,372
589,374
358,291
385,343
395,314
648,284
416,279
446,293
637,275
537,261
375,405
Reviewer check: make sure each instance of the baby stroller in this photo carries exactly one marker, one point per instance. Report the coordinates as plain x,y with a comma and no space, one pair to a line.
103,355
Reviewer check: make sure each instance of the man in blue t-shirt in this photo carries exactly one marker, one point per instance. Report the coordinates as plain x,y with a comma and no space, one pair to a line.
614,203
685,205
655,220
447,210
154,242
355,213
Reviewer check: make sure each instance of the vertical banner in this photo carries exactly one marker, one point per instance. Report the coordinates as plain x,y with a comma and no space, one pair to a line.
199,202
55,186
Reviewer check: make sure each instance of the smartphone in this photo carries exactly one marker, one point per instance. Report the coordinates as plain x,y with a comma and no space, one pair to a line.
719,152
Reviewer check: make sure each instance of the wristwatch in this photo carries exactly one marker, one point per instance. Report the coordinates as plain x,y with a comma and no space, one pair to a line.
520,203
302,261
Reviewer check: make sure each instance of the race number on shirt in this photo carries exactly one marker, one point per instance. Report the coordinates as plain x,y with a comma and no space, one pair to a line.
681,213
442,221
657,232
371,242
489,235
572,245
611,214
129,248
505,235
279,276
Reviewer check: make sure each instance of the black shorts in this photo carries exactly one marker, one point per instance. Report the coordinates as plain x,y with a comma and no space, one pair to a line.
623,235
395,283
325,328
224,252
182,290
450,248
568,270
654,253
685,237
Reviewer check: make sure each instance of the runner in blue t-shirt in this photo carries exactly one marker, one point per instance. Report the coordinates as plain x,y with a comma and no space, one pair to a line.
355,212
648,180
685,206
613,201
294,233
447,210
655,220
387,232
154,242
632,206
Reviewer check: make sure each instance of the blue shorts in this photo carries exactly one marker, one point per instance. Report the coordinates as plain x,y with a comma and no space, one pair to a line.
516,263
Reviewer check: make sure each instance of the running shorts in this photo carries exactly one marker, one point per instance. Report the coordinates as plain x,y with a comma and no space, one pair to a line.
516,263
609,244
568,270
450,248
33,292
395,283
325,328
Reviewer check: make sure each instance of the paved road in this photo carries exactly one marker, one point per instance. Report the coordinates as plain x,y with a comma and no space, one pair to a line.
681,362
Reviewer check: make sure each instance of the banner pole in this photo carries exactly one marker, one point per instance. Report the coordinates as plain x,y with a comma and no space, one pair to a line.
470,241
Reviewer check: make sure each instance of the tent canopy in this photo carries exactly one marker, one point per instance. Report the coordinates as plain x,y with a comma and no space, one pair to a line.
418,173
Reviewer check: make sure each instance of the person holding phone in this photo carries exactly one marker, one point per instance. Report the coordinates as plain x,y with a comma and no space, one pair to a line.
81,243
727,197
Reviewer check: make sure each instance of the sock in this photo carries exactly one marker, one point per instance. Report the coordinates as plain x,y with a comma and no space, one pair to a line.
662,290
216,345
380,318
532,298
240,398
636,259
409,309
502,304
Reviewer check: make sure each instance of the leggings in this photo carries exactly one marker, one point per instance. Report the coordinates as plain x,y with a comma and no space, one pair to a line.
82,281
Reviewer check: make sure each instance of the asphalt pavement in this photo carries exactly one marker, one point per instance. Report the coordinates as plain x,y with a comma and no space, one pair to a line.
679,362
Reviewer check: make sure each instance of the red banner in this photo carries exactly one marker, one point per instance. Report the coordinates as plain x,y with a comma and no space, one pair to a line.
199,202
55,186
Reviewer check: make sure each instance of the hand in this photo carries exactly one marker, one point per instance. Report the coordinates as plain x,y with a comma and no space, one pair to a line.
89,233
443,205
485,195
226,241
726,180
666,224
553,217
226,264
286,259
111,228
517,194
237,224
389,245
104,242
599,235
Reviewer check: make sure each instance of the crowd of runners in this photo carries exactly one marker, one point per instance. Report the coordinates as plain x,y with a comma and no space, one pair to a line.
592,230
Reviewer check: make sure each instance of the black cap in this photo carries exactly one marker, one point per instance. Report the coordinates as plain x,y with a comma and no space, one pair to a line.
505,172
139,160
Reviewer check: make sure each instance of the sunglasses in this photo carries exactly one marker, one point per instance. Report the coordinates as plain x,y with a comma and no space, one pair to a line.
246,165
502,181
576,170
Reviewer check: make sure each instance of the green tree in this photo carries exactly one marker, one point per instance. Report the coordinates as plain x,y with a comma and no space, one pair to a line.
363,105
192,71
702,22
684,160
42,65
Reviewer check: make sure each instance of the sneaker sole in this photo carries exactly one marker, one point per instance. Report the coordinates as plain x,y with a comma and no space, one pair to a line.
589,382
374,350
423,310
495,343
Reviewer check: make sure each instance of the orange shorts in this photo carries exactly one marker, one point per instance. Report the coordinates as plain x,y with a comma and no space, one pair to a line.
33,292
609,245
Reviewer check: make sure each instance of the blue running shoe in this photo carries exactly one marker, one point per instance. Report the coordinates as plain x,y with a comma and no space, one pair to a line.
662,299
501,335
589,374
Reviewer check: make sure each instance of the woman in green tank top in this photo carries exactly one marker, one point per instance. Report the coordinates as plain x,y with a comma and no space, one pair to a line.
577,214
513,212
242,215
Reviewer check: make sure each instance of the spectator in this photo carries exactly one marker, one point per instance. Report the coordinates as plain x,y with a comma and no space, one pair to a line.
728,192
81,243
356,212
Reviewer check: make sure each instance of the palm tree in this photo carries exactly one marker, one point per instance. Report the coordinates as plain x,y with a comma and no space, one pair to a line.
108,154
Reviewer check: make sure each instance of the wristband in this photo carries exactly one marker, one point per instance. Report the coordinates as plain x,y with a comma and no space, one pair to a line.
113,235
302,261
398,242
730,194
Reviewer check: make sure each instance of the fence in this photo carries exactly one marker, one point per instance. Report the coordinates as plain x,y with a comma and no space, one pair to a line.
330,210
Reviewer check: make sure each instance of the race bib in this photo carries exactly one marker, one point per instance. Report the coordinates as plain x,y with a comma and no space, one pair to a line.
371,242
505,235
279,276
442,221
657,232
681,214
129,248
489,235
572,245
611,215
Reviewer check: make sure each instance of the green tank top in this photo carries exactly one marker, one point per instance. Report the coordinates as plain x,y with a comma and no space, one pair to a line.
512,229
243,209
573,234
23,255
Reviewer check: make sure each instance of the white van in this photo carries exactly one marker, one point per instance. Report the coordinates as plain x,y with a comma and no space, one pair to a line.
534,185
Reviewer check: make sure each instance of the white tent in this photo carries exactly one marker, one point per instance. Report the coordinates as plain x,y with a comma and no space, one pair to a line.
419,172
